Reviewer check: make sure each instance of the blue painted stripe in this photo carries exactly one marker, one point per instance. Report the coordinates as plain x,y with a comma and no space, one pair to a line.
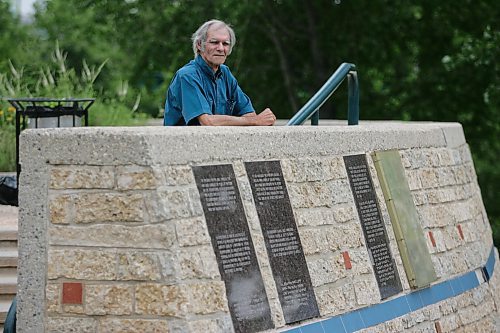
312,328
469,281
333,325
352,321
456,286
378,313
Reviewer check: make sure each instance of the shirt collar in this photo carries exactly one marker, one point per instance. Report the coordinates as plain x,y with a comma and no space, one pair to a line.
205,68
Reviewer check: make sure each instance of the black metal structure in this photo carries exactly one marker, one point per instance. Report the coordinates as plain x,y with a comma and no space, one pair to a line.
48,113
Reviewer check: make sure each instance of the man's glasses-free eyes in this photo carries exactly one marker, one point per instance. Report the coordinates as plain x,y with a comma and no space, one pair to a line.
215,42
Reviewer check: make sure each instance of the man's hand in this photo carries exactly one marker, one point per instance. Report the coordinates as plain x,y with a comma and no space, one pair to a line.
265,118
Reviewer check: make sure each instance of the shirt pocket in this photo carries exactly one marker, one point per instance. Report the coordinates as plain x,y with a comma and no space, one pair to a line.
230,106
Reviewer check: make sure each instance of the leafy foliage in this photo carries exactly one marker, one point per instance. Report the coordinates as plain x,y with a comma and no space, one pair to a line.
425,60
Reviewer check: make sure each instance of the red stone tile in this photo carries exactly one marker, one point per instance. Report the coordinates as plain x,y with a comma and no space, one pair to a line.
72,293
433,241
347,260
460,232
437,325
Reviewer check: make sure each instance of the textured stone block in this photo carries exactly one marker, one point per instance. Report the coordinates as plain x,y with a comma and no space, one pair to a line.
326,270
451,238
428,178
81,177
347,236
108,207
314,240
394,325
73,309
445,157
136,265
344,213
341,192
218,325
178,175
360,262
166,204
205,298
450,323
192,232
413,180
134,177
313,169
445,177
105,299
61,209
71,324
472,313
123,325
308,195
439,240
314,217
53,297
157,236
198,263
82,264
160,299
333,299
460,174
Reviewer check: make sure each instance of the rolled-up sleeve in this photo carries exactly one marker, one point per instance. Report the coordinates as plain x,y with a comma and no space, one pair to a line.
193,102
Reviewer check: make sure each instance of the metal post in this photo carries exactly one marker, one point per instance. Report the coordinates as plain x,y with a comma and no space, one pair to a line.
18,132
315,118
353,92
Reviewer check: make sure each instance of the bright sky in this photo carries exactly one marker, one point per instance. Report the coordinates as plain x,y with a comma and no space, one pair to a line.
26,7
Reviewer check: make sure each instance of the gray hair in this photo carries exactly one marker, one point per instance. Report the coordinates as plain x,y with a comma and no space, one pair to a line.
200,36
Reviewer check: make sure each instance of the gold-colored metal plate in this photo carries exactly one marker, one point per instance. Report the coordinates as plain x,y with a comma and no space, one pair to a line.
409,234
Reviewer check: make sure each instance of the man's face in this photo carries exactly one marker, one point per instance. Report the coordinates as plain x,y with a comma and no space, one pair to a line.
216,47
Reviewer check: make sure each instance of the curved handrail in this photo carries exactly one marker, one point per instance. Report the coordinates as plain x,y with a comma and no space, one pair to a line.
311,108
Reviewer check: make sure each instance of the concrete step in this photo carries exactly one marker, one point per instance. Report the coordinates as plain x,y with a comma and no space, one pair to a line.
8,232
8,284
4,308
8,257
5,303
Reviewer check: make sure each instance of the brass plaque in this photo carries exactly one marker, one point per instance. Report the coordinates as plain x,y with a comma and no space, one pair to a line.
409,234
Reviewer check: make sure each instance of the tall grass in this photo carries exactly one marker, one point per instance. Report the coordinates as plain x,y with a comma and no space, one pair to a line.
57,80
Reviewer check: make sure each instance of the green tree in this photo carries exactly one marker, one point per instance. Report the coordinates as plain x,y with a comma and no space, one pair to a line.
425,60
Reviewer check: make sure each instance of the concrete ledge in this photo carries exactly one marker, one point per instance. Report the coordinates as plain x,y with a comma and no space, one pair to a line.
179,145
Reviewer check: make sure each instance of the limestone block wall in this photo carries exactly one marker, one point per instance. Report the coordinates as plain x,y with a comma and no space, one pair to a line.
113,237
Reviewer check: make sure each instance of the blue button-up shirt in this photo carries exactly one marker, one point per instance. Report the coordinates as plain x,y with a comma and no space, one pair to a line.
196,90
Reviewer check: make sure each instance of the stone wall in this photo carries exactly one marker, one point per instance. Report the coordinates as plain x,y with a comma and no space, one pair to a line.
113,238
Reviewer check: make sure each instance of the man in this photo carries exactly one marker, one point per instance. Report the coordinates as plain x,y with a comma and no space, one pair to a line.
204,92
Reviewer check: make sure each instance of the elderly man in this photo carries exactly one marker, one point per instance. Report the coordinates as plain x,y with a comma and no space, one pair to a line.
204,92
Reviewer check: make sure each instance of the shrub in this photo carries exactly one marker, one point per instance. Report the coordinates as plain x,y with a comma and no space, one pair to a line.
117,108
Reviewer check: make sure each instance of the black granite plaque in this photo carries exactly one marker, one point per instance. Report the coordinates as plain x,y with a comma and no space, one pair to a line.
287,260
372,224
233,246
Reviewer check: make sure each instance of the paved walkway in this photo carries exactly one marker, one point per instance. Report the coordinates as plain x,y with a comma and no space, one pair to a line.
8,215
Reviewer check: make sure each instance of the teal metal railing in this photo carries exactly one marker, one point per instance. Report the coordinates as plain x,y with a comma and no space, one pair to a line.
311,109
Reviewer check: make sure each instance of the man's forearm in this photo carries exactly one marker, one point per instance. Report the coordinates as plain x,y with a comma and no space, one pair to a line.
248,119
